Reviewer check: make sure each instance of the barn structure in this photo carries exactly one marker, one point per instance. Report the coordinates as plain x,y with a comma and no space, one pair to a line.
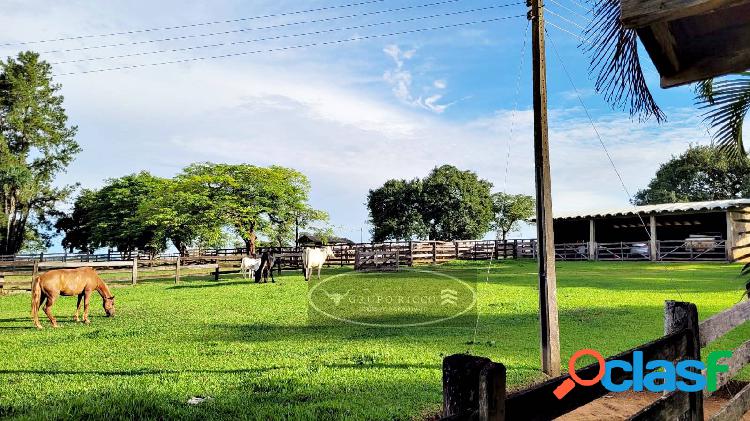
712,230
312,240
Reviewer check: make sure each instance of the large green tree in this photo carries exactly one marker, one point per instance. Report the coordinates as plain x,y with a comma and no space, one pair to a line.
118,223
457,204
396,210
700,173
78,224
448,204
110,217
255,200
184,214
36,144
509,211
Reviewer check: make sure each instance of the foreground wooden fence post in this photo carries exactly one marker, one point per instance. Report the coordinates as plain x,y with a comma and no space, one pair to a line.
679,315
473,387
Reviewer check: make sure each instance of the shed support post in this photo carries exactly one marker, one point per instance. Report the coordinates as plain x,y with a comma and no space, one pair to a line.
729,244
653,250
592,239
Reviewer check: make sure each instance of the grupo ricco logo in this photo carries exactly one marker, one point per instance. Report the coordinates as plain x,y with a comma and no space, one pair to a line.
654,375
404,298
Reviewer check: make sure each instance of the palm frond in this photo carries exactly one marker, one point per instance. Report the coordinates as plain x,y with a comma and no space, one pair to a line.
745,270
705,89
613,52
726,107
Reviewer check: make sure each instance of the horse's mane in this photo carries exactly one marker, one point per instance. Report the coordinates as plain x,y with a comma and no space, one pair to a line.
103,289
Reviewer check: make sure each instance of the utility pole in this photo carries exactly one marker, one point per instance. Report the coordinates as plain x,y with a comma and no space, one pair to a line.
550,332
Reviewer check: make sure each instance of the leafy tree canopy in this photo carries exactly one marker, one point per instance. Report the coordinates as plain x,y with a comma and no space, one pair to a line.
396,210
509,210
700,173
36,144
447,204
197,207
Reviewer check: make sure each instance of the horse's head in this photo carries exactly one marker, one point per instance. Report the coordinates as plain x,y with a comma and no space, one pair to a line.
329,251
109,306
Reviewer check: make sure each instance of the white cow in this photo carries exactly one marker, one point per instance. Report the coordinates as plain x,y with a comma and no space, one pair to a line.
248,266
315,258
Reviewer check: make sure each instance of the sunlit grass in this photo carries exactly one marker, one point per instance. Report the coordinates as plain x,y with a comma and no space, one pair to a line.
249,346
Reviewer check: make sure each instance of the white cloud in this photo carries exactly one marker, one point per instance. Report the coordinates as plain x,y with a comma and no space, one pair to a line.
401,80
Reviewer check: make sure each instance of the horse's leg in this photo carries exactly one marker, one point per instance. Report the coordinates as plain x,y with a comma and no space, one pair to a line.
37,299
319,267
78,306
48,310
86,302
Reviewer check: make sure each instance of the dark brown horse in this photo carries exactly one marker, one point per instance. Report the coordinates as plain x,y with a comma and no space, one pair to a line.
267,261
69,282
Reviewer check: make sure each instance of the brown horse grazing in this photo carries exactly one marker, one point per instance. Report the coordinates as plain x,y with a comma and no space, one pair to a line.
69,282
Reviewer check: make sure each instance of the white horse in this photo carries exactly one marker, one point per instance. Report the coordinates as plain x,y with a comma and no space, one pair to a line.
315,258
248,266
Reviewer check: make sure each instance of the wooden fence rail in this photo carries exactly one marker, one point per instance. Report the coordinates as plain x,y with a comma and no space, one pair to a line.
428,252
474,387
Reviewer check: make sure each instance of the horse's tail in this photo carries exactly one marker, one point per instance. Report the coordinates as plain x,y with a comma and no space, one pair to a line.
36,300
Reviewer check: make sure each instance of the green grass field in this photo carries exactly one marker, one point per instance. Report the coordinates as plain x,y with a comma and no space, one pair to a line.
251,349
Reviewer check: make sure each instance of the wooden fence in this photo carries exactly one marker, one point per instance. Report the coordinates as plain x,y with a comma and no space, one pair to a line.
475,387
18,275
376,260
409,252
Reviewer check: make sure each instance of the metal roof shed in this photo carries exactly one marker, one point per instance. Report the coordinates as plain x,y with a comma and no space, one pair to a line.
691,40
672,231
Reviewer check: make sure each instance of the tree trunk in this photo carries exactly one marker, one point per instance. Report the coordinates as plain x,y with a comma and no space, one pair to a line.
250,242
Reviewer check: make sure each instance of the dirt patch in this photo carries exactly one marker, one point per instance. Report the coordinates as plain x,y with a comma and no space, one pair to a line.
620,406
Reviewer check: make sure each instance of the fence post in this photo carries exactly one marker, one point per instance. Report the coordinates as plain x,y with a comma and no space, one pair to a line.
177,270
473,387
455,247
134,276
41,256
216,271
492,392
680,315
434,252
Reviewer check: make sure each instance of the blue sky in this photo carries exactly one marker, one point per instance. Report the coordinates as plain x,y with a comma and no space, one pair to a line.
349,115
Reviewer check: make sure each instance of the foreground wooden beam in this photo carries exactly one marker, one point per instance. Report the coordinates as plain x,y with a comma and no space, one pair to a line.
691,40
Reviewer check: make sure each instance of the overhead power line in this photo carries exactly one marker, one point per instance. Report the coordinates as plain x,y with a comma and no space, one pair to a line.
277,37
194,25
257,28
293,47
566,19
585,17
574,35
